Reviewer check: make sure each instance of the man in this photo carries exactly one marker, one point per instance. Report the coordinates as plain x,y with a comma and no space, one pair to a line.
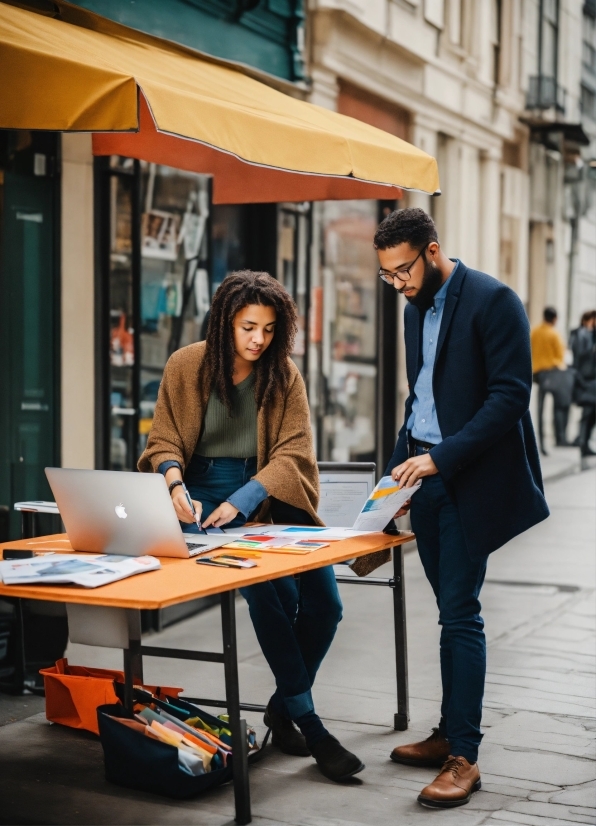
468,436
582,342
548,358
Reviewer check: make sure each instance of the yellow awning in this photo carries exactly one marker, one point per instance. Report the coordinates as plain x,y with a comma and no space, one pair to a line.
165,103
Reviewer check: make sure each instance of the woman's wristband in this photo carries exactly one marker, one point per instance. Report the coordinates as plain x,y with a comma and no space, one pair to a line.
174,484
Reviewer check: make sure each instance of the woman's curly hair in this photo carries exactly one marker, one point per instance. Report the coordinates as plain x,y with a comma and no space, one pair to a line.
272,370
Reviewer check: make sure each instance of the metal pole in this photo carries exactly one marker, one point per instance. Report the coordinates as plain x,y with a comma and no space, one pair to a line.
238,726
133,657
402,718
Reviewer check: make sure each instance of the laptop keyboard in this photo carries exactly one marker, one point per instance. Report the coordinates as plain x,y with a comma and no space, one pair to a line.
195,548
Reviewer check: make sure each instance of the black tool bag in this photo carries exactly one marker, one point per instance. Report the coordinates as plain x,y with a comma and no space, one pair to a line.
139,762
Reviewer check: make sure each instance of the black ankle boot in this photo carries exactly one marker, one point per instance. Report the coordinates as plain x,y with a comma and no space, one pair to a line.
284,734
334,761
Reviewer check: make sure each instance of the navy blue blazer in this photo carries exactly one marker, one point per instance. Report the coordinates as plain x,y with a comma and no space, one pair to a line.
482,380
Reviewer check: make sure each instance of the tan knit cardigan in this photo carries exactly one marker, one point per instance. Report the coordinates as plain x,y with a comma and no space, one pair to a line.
286,463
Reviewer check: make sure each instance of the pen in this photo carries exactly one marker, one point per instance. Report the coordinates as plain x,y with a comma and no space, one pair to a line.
192,507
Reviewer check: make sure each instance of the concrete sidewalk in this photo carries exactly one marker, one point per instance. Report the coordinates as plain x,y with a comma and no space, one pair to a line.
537,758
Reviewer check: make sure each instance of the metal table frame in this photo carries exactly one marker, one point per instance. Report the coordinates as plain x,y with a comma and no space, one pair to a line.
133,670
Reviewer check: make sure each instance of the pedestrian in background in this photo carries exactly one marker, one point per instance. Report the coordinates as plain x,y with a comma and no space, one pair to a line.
468,435
548,360
582,342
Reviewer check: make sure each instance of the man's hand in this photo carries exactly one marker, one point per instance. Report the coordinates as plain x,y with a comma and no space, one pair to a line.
221,516
403,510
408,473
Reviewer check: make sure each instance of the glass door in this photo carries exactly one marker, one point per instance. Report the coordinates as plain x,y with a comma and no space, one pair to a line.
123,395
154,229
293,238
344,329
175,288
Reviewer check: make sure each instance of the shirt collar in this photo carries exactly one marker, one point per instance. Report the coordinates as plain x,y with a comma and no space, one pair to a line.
441,294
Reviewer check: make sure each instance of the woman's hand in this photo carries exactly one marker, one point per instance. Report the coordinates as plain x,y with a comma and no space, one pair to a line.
221,516
182,508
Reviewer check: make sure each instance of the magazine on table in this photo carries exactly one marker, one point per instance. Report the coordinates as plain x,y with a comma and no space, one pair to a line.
88,570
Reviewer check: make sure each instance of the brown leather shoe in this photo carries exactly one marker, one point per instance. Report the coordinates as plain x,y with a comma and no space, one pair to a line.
453,786
430,752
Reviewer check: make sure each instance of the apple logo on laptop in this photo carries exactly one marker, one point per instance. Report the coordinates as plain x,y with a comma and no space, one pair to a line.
121,511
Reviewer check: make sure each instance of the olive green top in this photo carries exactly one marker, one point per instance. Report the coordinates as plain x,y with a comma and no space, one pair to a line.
232,436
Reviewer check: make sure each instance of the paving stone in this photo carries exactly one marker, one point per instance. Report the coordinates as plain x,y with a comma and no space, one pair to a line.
542,733
512,818
580,795
554,811
528,764
578,689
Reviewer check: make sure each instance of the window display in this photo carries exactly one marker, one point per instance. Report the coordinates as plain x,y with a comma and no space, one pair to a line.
292,262
175,293
159,291
344,320
123,413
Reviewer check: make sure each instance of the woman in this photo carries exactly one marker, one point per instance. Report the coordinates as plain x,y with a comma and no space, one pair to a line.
232,422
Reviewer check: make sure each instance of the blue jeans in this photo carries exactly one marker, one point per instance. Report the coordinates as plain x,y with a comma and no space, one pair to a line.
456,580
211,481
294,619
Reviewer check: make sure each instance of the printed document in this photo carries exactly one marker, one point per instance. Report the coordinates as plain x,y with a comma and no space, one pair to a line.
383,503
381,506
88,570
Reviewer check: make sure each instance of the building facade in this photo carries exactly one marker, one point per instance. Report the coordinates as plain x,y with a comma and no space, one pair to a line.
502,92
109,264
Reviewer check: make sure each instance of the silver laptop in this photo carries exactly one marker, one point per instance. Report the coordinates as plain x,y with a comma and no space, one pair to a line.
116,512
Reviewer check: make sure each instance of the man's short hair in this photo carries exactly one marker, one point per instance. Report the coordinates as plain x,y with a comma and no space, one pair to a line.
406,226
550,314
588,316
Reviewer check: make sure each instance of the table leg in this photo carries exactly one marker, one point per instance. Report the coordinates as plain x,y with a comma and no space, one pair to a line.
133,658
238,726
20,664
29,527
401,719
28,531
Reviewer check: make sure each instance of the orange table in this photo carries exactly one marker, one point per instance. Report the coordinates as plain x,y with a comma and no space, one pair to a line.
181,580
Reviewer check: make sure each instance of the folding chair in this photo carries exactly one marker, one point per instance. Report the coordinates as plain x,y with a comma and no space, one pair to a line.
345,486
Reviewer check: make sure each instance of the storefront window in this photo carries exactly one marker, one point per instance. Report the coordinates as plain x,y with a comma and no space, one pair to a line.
175,289
158,290
344,319
228,248
123,413
292,259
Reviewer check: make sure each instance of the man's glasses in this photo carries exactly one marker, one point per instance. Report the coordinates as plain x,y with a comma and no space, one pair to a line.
403,274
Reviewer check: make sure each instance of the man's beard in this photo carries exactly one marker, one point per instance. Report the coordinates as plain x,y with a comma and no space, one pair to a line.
431,284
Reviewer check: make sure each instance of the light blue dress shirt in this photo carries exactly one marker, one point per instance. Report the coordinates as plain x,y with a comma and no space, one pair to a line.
423,422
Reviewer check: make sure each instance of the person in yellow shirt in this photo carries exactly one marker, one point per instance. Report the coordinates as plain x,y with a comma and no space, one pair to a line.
548,355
